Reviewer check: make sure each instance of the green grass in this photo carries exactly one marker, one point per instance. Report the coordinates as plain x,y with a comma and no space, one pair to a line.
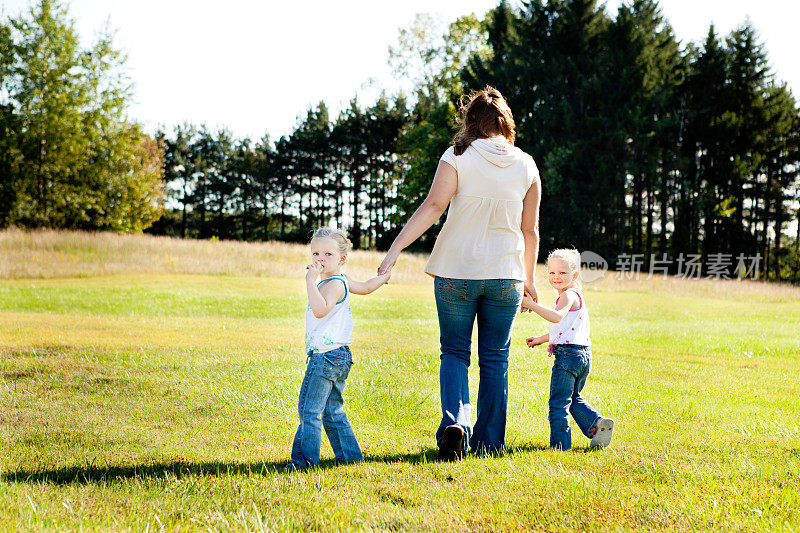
133,400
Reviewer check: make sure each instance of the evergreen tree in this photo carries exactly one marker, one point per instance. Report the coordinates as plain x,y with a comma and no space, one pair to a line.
265,185
283,171
311,142
9,129
549,62
420,145
748,87
217,153
179,175
707,136
776,187
641,103
348,139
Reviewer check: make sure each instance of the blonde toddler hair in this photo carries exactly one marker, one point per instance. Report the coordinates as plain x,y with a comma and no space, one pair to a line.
337,235
571,258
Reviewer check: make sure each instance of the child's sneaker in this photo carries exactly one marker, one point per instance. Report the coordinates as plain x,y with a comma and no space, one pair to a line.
602,434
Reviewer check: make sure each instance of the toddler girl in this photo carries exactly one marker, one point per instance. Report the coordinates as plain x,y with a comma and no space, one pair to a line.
569,344
329,325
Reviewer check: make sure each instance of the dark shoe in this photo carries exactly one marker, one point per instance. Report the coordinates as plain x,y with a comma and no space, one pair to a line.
451,447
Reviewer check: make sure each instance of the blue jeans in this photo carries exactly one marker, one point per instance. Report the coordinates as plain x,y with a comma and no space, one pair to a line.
494,302
321,405
571,367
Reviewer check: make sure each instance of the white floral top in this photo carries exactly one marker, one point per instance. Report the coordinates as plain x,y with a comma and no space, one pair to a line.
334,329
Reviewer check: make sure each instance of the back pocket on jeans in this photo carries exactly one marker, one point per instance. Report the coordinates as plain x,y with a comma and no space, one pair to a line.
511,291
450,289
336,367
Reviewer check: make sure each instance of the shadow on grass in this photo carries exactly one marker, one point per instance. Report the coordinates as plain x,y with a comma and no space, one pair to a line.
526,447
178,469
541,447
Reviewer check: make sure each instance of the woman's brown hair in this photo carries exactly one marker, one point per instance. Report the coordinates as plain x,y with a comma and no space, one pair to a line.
483,114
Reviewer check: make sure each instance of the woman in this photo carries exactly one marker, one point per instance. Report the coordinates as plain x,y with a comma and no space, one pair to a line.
483,261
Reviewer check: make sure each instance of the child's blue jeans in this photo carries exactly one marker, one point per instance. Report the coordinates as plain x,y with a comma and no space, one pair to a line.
493,303
571,367
320,405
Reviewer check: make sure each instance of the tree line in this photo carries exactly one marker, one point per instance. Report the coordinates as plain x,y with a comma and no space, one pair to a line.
341,171
645,145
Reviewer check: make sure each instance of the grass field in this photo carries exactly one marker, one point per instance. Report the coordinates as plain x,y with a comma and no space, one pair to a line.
152,384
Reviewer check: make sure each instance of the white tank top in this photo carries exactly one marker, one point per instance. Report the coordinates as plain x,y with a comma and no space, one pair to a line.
334,329
574,327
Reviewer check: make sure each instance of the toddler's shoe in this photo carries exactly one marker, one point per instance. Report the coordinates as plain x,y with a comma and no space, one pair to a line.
451,447
602,435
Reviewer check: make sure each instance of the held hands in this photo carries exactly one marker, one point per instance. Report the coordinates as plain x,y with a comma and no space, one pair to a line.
384,278
388,262
527,304
531,296
530,289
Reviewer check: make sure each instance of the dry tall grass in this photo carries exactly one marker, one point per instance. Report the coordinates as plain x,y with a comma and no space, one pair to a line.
56,254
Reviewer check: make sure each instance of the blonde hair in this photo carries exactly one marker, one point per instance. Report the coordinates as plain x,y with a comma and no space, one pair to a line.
571,258
337,235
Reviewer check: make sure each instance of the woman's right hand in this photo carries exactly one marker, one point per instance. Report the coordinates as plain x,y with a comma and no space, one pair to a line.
388,262
527,303
530,291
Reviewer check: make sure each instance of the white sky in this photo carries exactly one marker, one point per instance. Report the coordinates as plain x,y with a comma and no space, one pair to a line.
256,66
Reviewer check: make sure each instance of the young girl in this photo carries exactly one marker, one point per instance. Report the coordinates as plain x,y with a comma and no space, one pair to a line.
569,343
329,324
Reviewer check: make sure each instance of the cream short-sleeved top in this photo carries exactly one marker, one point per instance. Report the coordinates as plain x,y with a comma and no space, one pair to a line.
482,236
